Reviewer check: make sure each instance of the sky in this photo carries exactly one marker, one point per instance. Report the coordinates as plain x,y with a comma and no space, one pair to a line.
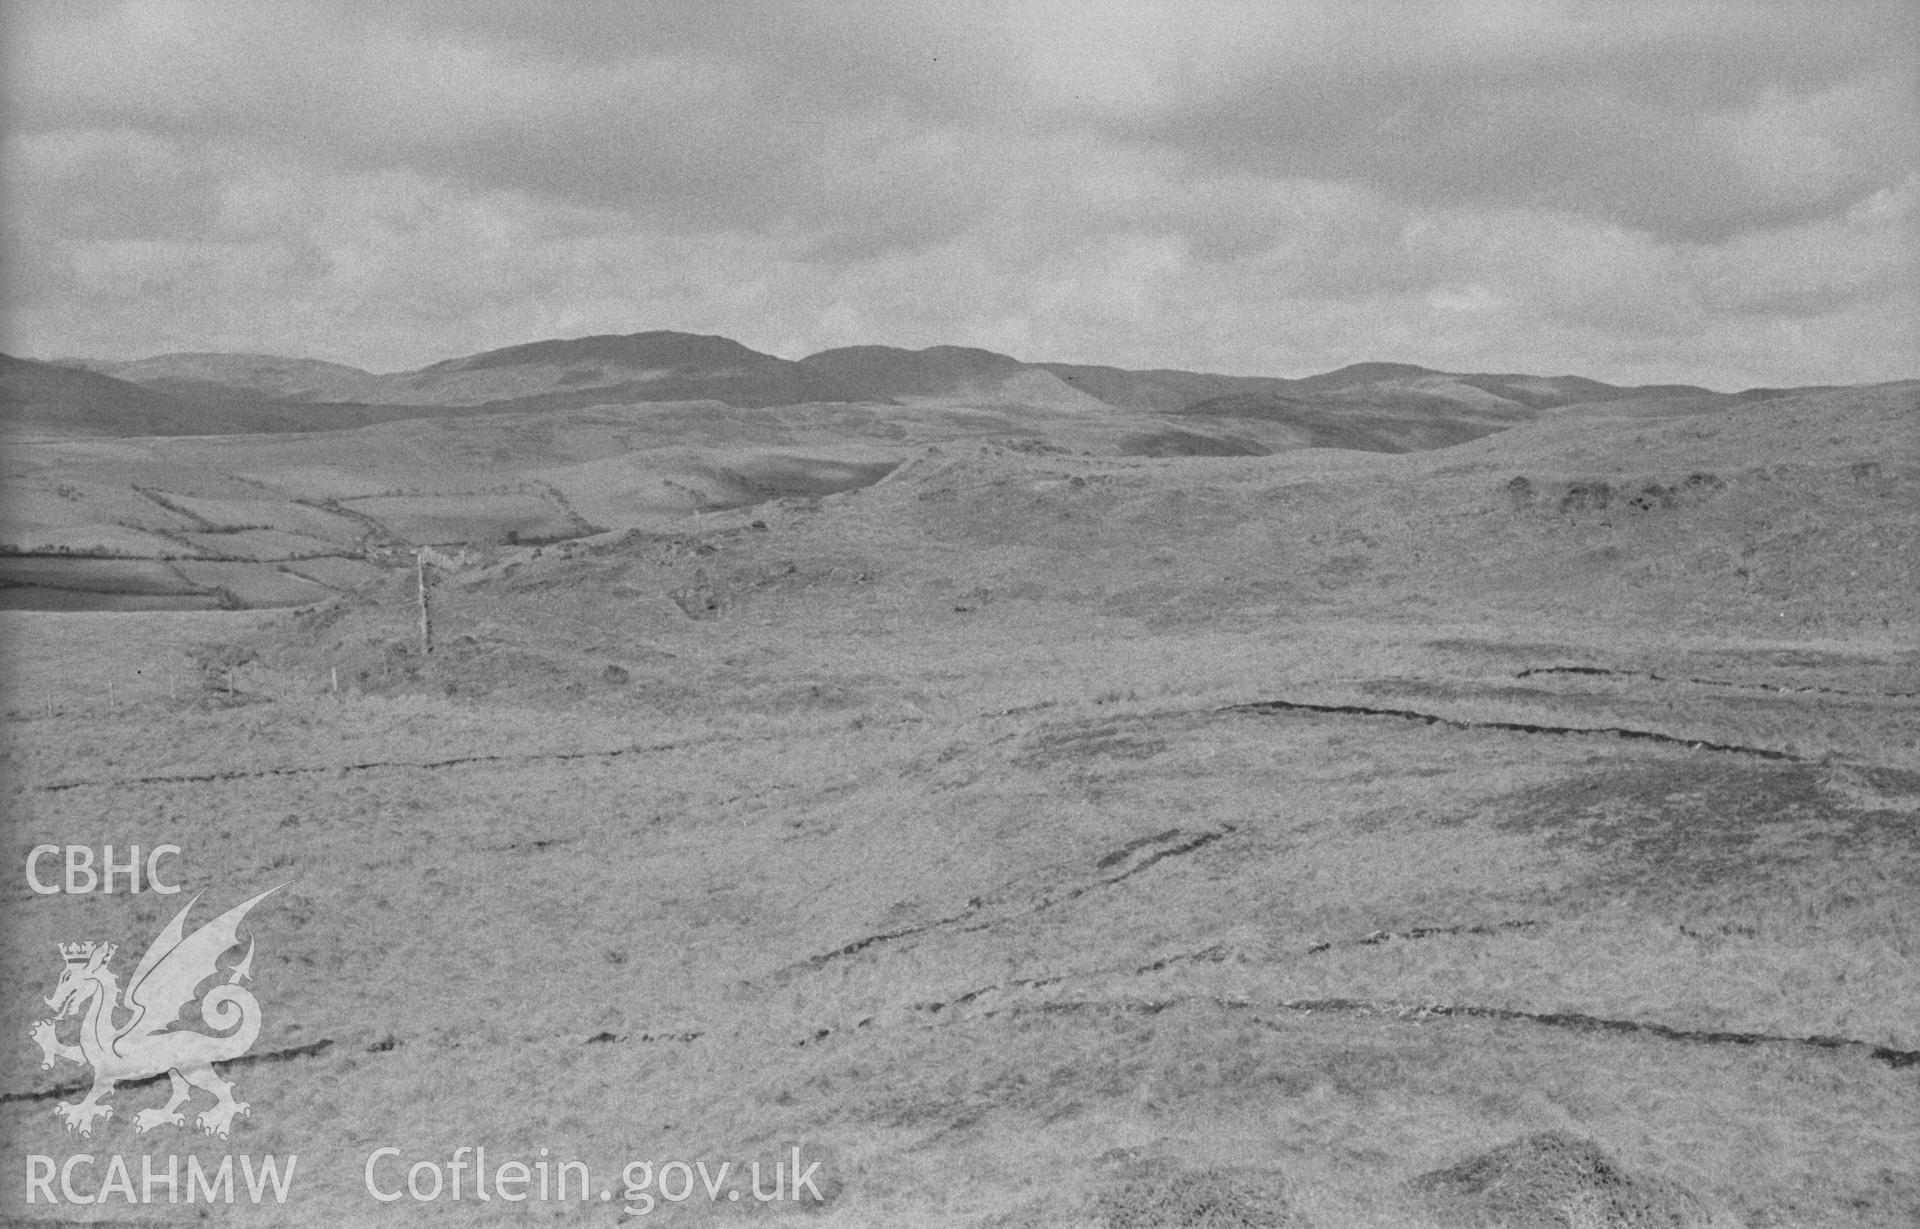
1723,193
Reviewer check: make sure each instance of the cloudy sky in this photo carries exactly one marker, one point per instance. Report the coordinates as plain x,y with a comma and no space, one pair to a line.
1721,192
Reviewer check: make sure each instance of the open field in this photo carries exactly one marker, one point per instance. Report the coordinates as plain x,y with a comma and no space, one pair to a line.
1037,838
1130,615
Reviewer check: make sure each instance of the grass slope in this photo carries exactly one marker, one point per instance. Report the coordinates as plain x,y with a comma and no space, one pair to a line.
1035,838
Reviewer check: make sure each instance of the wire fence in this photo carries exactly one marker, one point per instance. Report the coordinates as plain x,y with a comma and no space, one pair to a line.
162,689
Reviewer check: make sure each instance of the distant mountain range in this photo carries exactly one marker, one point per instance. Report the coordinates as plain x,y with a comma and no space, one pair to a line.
1375,406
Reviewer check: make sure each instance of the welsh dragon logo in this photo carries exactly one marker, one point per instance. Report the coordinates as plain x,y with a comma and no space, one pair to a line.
144,1044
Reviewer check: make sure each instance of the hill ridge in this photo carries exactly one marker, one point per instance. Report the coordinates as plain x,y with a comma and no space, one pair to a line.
1370,405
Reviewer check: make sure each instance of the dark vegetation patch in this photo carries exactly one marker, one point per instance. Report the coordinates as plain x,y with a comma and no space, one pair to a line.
768,482
1652,497
1592,496
1667,826
1586,495
1795,659
1499,648
1896,781
1554,1181
1155,1194
1189,444
1410,423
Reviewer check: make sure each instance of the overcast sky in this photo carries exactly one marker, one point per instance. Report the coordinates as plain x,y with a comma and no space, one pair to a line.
1722,193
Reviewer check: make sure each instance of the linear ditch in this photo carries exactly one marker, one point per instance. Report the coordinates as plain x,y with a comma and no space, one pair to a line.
1769,688
1267,707
300,770
1574,1021
977,904
71,1087
1581,1022
608,1037
1256,708
1378,937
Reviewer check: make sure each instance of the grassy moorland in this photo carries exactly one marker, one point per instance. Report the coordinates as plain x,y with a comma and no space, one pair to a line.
1518,833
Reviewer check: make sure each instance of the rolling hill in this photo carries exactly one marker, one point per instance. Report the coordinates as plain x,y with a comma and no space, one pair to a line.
1009,790
60,400
52,399
223,480
238,376
1791,521
1387,407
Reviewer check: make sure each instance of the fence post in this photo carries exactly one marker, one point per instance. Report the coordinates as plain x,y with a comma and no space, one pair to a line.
420,582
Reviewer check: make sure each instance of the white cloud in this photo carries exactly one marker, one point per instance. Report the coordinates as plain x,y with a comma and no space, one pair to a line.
1716,192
